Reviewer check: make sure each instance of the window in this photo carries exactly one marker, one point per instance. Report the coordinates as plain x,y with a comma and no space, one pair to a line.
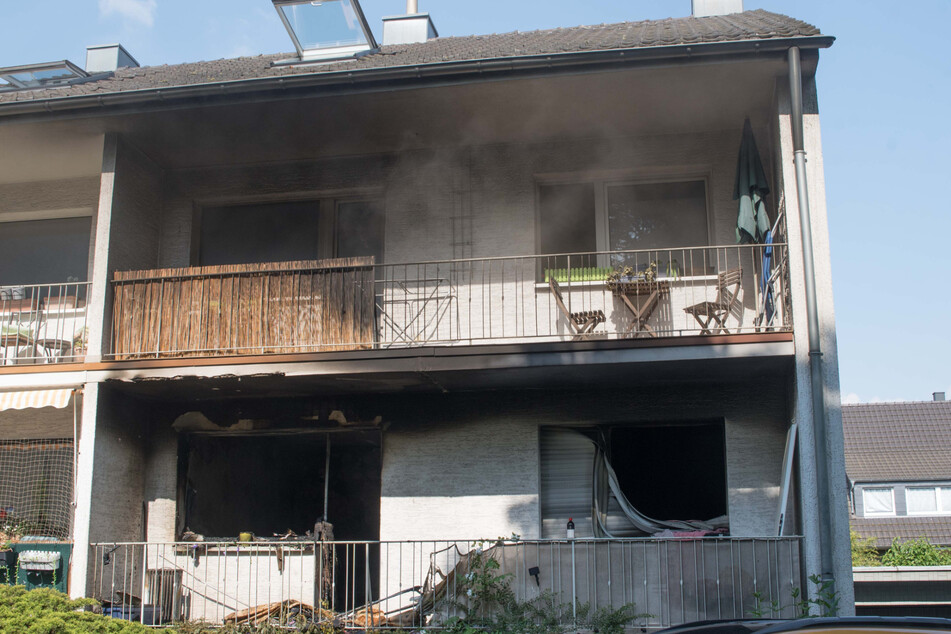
691,458
667,472
878,501
286,231
45,251
928,500
621,216
325,29
657,215
267,484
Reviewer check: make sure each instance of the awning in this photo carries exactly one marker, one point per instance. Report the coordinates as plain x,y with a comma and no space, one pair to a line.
35,398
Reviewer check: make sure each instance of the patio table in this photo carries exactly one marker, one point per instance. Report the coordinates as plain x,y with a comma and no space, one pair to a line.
641,310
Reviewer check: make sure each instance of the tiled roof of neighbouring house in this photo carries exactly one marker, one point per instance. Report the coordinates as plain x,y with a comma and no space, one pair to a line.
897,442
937,530
750,25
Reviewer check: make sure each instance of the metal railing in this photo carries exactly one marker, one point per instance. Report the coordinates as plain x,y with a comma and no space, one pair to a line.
689,291
43,323
424,584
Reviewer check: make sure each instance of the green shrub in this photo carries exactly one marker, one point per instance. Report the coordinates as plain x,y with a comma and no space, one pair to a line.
864,552
916,552
46,611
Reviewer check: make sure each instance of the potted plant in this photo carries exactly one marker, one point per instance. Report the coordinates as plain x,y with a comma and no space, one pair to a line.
627,274
9,535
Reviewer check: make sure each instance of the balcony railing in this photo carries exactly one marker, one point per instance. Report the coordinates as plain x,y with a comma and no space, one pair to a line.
423,584
355,304
43,323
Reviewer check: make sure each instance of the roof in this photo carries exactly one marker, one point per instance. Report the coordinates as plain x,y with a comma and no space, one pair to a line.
749,26
897,442
936,529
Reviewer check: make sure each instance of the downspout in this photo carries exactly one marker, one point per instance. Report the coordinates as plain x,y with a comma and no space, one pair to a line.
815,346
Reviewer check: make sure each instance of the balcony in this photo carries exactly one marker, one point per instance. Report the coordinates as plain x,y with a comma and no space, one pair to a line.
422,584
43,323
355,304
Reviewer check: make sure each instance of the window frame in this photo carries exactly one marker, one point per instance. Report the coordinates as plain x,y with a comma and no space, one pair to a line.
601,182
938,489
891,490
327,216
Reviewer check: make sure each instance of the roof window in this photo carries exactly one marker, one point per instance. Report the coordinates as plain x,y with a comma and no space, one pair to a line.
326,29
40,75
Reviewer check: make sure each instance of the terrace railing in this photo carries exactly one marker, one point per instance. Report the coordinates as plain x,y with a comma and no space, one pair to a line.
43,323
355,304
424,584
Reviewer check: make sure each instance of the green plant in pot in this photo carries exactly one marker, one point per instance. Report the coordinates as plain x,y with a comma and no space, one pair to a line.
10,534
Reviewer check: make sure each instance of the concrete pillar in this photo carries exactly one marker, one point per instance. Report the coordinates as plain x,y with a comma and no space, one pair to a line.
127,234
100,268
84,485
802,404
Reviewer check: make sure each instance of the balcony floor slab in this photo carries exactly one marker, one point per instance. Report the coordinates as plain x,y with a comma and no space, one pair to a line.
461,368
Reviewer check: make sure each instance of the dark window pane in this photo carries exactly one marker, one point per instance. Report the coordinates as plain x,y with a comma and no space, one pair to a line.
691,459
360,229
566,218
259,233
657,215
44,251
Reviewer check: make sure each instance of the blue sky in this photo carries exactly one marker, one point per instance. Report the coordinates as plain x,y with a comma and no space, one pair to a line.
883,96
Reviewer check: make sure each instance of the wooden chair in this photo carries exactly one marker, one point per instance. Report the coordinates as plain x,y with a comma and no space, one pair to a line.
582,323
14,339
712,316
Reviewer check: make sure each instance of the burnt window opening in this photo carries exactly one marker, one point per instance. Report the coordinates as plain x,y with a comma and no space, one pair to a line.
290,231
269,484
672,471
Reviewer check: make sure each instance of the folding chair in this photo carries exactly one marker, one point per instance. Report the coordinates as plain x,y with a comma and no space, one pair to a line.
712,316
582,323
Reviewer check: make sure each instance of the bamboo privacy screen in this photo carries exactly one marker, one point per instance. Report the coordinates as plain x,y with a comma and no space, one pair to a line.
244,309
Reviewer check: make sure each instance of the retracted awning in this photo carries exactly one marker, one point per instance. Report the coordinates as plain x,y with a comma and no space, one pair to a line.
35,398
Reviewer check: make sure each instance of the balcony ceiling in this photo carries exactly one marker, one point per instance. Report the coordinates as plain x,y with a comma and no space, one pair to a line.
693,98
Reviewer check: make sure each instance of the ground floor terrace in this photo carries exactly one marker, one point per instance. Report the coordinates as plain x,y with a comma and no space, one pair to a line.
206,498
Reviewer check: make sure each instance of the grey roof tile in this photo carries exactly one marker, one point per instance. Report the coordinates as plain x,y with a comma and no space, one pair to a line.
937,530
750,25
897,442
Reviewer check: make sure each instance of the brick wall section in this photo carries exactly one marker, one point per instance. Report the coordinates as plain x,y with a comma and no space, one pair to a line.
134,239
161,477
460,480
118,470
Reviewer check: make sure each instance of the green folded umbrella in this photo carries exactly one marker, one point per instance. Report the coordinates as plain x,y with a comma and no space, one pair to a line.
751,189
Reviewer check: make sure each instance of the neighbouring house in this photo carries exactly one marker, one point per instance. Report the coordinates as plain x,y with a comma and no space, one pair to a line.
898,461
312,325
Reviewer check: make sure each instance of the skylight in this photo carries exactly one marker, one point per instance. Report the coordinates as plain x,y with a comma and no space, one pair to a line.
40,75
326,29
